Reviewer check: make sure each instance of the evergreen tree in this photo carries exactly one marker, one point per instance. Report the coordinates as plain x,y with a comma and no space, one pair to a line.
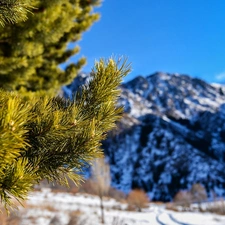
31,51
43,137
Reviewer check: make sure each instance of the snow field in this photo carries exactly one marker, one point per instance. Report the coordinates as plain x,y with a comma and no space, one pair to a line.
45,206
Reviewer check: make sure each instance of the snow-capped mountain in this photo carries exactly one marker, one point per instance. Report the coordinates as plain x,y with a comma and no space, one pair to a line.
172,135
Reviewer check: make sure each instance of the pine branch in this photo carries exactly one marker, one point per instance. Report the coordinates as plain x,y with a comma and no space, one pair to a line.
13,11
54,138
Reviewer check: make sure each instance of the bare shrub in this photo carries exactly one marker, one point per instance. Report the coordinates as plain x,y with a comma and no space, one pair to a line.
137,199
100,181
198,194
183,198
87,187
116,194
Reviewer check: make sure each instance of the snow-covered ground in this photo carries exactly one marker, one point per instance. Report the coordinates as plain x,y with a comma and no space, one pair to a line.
49,208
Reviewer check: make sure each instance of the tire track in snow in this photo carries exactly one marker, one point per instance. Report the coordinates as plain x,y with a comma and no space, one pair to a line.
178,222
158,220
174,220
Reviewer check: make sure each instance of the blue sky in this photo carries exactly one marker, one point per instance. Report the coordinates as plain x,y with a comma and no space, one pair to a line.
183,36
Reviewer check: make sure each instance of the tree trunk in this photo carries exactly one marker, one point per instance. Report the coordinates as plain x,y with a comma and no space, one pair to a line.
102,208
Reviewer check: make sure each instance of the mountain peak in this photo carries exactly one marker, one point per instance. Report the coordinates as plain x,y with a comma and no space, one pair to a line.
178,93
160,74
172,135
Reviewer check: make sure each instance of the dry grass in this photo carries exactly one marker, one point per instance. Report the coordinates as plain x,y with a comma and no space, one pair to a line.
118,221
13,218
57,188
217,207
55,221
159,203
172,207
46,207
75,218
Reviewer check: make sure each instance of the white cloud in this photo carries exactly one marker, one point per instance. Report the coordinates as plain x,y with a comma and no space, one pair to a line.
220,76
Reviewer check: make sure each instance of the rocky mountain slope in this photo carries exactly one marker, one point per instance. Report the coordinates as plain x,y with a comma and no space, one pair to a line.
172,135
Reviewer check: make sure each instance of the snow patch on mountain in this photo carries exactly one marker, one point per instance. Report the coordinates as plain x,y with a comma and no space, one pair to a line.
172,135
